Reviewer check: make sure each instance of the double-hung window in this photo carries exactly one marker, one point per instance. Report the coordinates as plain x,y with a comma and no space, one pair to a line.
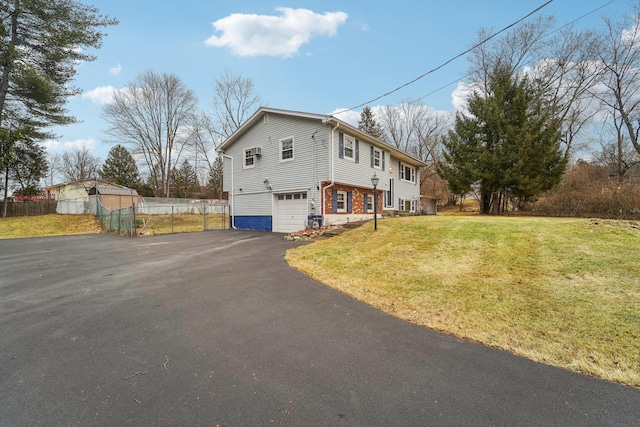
407,173
286,149
341,201
249,158
349,147
368,202
377,158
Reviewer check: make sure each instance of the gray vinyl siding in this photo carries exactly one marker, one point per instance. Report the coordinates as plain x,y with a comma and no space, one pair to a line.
253,204
308,168
404,190
359,174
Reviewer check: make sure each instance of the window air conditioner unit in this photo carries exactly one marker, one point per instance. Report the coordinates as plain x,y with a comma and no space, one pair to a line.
256,151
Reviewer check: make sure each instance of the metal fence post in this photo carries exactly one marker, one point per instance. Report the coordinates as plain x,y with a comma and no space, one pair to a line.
204,216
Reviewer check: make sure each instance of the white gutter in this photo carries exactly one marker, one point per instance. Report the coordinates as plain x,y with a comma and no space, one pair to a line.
232,206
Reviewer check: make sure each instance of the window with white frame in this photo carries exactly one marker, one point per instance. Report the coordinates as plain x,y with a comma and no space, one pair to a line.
341,201
408,205
407,173
368,202
286,149
249,158
377,158
388,199
349,147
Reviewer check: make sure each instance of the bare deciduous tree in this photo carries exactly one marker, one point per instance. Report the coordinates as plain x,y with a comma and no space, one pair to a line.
619,55
561,65
79,164
234,101
153,115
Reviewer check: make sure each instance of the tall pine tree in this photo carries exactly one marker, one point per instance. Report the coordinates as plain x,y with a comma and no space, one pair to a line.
507,146
120,168
368,124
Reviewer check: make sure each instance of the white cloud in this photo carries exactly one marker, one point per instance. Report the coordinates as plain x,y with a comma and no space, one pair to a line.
115,70
100,95
460,95
349,116
53,145
253,35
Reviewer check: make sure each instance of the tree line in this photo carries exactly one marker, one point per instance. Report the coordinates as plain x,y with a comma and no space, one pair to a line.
537,101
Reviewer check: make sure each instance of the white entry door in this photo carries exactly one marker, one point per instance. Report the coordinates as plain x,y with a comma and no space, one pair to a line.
291,212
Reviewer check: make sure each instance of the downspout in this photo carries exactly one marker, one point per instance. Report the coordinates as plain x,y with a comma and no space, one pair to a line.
332,157
232,212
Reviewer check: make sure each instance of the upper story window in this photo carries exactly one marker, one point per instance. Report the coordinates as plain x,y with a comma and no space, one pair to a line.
286,149
377,158
349,147
407,173
249,158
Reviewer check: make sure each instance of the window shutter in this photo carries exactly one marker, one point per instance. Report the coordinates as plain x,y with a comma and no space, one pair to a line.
357,151
400,169
364,202
400,207
334,201
383,168
372,156
349,201
341,145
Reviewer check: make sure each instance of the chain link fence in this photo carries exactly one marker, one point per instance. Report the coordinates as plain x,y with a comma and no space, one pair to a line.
150,215
121,221
162,215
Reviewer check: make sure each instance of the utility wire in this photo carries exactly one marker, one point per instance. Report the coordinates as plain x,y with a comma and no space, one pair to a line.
545,36
536,10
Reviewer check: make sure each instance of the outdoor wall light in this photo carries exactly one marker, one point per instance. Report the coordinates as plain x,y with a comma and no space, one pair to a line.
267,184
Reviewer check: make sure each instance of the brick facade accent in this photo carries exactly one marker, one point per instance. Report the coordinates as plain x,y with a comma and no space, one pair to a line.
357,198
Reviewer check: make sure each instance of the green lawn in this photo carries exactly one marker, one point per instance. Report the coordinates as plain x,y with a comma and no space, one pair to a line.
560,291
48,225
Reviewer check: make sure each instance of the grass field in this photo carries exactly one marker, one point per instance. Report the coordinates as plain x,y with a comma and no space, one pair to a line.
164,224
565,292
48,225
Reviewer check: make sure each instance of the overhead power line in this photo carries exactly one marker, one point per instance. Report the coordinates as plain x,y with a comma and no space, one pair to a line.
536,10
543,37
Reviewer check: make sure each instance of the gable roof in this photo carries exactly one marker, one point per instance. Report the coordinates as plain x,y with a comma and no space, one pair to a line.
323,119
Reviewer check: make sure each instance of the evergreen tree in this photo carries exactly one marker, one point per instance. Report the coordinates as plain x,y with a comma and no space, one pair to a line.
185,181
41,44
28,167
368,124
508,145
120,168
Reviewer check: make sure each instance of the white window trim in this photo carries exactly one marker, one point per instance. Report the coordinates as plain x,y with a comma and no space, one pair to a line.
244,159
413,207
368,199
412,178
389,195
353,148
283,140
379,152
344,195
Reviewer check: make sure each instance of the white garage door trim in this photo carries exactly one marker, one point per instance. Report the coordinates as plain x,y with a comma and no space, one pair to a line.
291,212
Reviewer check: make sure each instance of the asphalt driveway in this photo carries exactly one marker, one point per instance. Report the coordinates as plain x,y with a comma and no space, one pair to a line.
214,329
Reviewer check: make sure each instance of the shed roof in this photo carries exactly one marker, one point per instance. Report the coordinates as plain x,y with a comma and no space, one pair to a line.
111,191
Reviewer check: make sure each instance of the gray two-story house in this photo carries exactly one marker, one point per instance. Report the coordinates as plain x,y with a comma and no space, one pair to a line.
286,170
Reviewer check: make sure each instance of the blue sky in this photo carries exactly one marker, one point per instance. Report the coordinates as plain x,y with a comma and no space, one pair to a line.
313,56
